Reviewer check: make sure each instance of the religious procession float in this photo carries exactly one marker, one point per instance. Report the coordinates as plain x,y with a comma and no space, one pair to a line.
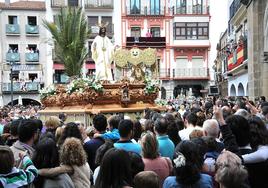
135,88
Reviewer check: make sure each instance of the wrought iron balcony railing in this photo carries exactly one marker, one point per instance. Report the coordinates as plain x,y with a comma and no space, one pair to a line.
21,87
12,29
99,4
12,57
185,73
32,57
32,29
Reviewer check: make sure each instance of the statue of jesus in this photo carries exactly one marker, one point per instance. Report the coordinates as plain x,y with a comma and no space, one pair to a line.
102,52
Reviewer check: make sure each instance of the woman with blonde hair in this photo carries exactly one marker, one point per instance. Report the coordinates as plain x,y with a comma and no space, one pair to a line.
230,171
72,154
162,166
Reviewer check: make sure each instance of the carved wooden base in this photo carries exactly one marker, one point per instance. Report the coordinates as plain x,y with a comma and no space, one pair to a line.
123,94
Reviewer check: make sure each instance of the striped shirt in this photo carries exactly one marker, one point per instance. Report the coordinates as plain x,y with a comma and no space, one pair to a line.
19,177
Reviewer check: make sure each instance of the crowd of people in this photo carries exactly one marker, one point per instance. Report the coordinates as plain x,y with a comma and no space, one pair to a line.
205,143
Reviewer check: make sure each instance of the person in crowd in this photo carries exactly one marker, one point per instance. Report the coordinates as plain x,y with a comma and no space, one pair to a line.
211,155
115,170
190,122
100,124
28,135
146,179
137,164
258,141
46,160
241,131
211,129
63,118
51,125
187,168
11,176
70,130
83,132
166,146
265,115
72,154
182,109
99,156
242,112
201,117
255,160
196,134
172,129
13,132
149,125
230,171
126,130
162,166
113,133
137,130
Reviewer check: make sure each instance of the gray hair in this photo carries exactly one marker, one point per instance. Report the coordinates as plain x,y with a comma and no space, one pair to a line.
211,127
243,113
230,171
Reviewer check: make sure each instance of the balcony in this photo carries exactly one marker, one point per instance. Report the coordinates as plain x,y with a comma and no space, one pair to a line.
57,3
185,73
20,87
145,11
181,10
236,4
99,4
32,57
136,11
146,42
12,57
63,3
155,12
12,29
32,29
196,9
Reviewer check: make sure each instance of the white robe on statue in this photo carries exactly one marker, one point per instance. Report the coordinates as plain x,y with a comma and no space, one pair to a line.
102,56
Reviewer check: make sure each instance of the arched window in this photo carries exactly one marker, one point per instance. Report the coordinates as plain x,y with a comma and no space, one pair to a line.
232,90
241,91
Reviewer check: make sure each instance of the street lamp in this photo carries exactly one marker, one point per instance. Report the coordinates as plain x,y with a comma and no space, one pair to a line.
11,81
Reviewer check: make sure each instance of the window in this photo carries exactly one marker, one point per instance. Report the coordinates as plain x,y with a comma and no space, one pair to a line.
197,6
33,76
135,31
181,7
13,48
12,20
154,7
109,28
155,31
32,20
191,30
73,3
135,7
92,23
31,48
60,77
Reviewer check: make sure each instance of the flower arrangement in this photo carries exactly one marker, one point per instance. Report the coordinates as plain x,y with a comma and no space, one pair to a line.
81,84
161,102
48,91
152,86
